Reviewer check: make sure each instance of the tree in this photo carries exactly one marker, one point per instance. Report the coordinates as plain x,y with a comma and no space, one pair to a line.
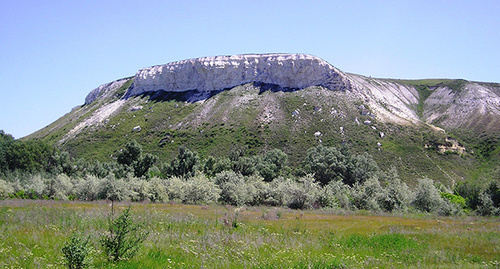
246,165
186,163
272,164
130,154
360,168
6,141
326,163
29,156
427,197
131,158
63,163
142,166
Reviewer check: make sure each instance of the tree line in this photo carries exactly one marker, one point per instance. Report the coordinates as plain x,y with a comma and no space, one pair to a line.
329,177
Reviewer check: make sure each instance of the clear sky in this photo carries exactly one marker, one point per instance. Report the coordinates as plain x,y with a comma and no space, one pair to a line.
53,53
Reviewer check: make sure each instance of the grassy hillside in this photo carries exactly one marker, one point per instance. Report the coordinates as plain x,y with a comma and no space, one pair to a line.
258,118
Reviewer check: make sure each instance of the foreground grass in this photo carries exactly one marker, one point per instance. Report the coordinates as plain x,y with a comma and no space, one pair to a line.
32,234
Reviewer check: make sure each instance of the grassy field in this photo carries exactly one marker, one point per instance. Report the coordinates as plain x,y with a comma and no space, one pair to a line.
32,234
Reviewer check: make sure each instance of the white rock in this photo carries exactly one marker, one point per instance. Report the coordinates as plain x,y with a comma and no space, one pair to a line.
222,72
135,108
317,134
137,129
367,122
103,89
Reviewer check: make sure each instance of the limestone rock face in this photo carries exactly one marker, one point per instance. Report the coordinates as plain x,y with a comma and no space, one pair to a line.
102,90
296,71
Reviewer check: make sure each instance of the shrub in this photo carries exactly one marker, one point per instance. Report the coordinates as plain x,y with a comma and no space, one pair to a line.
175,188
234,189
157,191
427,197
200,190
36,186
336,195
262,194
300,194
397,194
124,237
76,252
87,189
60,187
367,195
486,206
114,189
5,189
140,188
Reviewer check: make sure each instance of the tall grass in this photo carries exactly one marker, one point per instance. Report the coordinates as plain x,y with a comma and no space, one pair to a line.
193,236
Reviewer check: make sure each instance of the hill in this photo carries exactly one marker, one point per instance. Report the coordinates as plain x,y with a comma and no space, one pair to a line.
442,128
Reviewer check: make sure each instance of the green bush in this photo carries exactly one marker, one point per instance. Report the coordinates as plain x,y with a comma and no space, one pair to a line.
157,191
367,195
454,199
397,195
5,189
87,189
200,190
427,197
336,195
175,187
59,187
300,194
234,188
123,238
77,252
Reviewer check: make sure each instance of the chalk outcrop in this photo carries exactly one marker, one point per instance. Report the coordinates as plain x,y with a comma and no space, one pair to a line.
295,71
102,90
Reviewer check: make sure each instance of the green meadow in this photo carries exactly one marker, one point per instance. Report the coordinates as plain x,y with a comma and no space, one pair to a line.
33,232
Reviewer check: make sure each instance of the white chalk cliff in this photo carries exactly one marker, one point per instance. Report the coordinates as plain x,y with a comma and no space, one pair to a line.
472,105
296,71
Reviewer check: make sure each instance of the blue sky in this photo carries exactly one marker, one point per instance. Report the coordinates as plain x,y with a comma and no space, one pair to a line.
53,53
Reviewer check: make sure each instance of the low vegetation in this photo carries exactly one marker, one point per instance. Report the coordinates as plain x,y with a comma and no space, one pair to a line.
35,234
337,209
328,178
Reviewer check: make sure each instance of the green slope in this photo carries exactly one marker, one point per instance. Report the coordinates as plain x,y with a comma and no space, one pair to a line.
258,120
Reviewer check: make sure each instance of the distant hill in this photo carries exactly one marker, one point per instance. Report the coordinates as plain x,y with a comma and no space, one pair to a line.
446,129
